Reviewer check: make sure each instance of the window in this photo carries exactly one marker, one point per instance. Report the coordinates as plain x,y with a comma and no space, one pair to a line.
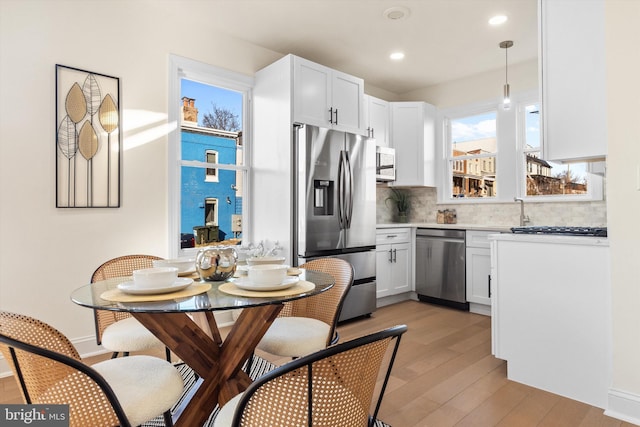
544,178
211,156
492,154
472,155
207,166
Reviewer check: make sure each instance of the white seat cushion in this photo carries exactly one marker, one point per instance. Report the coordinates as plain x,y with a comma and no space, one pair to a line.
128,335
225,416
146,386
295,336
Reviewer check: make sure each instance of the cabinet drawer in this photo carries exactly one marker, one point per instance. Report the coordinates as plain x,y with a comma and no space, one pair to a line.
478,239
392,235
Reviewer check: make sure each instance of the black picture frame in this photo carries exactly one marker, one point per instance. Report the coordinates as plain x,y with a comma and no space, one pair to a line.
88,139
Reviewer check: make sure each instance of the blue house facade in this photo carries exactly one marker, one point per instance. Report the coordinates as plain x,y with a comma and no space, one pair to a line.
210,197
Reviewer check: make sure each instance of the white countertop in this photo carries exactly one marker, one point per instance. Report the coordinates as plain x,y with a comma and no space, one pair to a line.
552,238
480,227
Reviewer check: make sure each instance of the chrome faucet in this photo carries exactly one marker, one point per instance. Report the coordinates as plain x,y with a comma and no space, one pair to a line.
524,219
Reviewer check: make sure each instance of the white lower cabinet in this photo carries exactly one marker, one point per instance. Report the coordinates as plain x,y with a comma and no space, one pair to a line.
478,265
393,261
479,275
551,313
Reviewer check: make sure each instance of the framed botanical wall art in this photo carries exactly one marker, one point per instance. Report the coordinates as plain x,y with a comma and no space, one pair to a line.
88,139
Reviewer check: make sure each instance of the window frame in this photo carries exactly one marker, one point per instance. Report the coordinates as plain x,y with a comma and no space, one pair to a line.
504,155
594,182
510,160
184,68
451,159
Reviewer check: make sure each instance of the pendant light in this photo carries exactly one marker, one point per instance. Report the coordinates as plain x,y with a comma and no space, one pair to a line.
507,95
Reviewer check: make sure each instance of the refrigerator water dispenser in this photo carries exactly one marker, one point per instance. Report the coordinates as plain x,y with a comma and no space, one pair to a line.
322,197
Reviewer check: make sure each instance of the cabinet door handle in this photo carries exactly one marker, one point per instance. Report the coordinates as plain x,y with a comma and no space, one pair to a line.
373,133
336,122
390,255
489,282
395,258
331,115
391,236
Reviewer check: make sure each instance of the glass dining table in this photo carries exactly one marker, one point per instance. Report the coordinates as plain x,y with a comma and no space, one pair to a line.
187,326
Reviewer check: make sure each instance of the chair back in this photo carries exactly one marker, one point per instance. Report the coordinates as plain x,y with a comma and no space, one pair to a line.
332,387
49,371
117,267
327,305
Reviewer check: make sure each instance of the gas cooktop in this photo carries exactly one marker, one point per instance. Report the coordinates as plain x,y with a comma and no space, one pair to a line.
572,231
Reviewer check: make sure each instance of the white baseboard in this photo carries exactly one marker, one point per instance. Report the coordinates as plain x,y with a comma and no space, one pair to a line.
624,406
392,299
480,309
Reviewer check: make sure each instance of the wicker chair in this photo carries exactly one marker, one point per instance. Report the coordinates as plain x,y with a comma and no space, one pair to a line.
332,387
309,324
124,391
117,331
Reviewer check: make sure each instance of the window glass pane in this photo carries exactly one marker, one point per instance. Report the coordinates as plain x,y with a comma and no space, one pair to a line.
473,152
211,132
548,178
544,178
474,134
532,127
213,111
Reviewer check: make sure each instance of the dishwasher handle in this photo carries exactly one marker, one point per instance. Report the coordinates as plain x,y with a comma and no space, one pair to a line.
441,239
439,233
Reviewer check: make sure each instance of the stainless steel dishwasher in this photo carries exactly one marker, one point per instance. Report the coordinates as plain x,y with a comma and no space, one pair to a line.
440,267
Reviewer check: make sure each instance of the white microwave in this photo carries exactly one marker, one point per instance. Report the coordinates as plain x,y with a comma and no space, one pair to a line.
385,164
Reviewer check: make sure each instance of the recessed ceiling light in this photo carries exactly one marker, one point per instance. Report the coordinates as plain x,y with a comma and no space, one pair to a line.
397,56
498,20
397,13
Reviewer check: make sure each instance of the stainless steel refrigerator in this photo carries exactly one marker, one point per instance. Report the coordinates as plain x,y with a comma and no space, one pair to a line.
335,207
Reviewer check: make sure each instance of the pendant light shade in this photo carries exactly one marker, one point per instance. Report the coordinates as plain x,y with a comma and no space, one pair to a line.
507,91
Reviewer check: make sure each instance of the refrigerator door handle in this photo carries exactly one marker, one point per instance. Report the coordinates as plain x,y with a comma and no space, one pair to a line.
349,195
341,191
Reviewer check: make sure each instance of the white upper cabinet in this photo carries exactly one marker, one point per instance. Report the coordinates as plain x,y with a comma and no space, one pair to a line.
413,137
376,119
572,44
326,97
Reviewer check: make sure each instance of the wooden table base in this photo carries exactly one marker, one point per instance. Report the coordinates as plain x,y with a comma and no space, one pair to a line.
219,363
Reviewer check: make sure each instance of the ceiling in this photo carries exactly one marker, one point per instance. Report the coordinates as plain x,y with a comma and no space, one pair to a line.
443,40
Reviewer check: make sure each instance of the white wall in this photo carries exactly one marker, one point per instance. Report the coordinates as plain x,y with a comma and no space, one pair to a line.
482,87
46,252
623,112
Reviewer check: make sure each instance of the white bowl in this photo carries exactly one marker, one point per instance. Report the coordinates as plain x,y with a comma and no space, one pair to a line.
267,274
156,277
183,265
265,260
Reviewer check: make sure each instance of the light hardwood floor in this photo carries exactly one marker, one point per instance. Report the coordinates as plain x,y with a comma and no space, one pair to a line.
445,375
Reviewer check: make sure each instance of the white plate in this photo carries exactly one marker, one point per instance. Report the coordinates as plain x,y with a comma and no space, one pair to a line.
180,284
245,283
186,273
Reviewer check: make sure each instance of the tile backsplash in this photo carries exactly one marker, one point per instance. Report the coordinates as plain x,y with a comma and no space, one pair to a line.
424,210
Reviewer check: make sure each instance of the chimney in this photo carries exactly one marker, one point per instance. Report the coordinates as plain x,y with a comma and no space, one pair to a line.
189,110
